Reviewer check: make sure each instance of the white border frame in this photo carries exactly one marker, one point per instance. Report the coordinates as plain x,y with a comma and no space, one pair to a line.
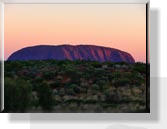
2,55
75,1
80,116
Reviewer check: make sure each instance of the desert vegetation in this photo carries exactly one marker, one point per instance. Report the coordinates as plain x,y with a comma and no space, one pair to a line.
74,86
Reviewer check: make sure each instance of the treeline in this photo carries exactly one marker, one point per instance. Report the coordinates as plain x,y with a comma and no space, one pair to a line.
74,86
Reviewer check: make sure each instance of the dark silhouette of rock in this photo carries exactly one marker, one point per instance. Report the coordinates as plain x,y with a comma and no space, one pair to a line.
70,52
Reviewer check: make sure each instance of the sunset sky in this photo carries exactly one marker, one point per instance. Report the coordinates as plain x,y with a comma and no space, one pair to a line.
121,26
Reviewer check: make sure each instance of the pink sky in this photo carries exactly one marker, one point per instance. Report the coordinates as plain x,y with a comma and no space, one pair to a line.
121,26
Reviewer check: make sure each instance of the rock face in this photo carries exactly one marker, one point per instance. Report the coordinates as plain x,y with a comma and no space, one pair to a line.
70,52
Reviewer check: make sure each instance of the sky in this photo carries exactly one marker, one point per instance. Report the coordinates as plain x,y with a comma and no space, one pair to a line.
121,26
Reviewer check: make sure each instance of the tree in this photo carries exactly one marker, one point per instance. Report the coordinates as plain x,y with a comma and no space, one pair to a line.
17,95
45,95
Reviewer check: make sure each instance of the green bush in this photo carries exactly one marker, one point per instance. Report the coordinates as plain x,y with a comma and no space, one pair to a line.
122,82
95,87
49,75
140,67
116,74
70,91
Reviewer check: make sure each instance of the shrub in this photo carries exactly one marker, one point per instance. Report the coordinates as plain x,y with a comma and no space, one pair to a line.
61,92
140,67
95,87
111,96
70,91
49,75
96,64
122,82
116,74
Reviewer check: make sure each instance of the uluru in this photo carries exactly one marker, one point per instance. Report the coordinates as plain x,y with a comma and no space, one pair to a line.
72,52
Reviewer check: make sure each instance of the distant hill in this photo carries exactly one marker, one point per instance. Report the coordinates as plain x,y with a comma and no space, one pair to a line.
70,52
